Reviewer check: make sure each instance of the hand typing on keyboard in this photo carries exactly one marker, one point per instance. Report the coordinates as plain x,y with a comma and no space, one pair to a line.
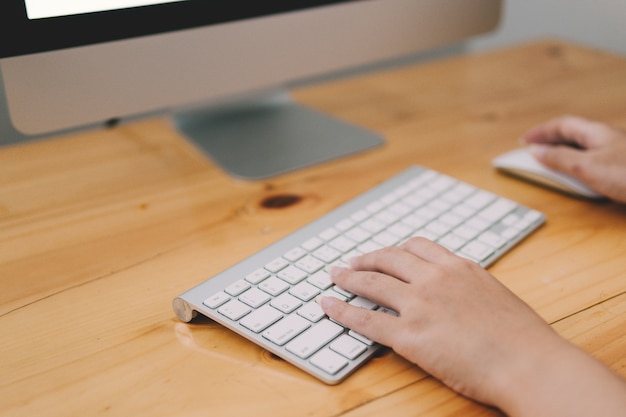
272,298
460,324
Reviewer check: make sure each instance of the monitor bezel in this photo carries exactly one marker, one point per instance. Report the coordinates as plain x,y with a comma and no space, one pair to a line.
54,33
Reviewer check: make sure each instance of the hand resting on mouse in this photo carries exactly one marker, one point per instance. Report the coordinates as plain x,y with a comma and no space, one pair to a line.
522,164
591,151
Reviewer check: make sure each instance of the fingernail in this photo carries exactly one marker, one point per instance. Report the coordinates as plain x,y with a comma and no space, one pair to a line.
327,302
334,270
352,260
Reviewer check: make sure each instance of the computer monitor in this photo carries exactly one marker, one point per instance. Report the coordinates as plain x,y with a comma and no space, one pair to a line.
66,64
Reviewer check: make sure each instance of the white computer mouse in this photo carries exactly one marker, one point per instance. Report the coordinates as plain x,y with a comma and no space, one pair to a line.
522,164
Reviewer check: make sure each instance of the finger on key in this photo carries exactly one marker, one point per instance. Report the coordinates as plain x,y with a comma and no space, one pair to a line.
382,289
374,325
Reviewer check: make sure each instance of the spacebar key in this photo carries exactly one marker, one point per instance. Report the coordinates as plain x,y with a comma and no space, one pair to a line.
313,339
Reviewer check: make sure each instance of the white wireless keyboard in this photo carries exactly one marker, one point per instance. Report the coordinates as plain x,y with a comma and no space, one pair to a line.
270,297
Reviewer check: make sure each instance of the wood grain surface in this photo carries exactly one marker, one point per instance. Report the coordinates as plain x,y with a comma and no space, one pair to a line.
100,230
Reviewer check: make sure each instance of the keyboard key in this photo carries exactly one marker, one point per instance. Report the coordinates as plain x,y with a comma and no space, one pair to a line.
216,300
304,291
274,286
314,338
329,234
286,329
312,311
373,225
332,293
478,223
442,183
415,221
480,199
374,206
344,225
327,254
321,280
257,276
477,250
511,219
276,265
237,287
358,234
498,209
386,217
360,215
362,302
286,303
329,361
533,216
401,209
466,231
451,219
345,293
310,264
437,228
492,239
401,230
452,241
294,254
292,275
361,338
261,318
428,213
254,297
234,309
369,246
312,243
348,346
427,234
510,232
386,238
343,244
439,205
464,211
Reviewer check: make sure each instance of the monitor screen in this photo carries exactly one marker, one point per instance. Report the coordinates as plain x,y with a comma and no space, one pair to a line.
219,67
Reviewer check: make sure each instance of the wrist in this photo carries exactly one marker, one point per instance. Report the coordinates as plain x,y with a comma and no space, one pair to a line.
531,375
559,379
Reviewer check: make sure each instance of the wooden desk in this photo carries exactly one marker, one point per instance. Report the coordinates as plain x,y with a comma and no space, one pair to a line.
100,230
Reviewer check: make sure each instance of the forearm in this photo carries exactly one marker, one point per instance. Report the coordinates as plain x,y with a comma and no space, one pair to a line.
563,381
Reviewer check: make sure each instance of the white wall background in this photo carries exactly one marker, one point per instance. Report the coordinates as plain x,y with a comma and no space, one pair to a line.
596,23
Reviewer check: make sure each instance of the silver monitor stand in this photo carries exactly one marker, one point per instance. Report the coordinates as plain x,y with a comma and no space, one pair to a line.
271,135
